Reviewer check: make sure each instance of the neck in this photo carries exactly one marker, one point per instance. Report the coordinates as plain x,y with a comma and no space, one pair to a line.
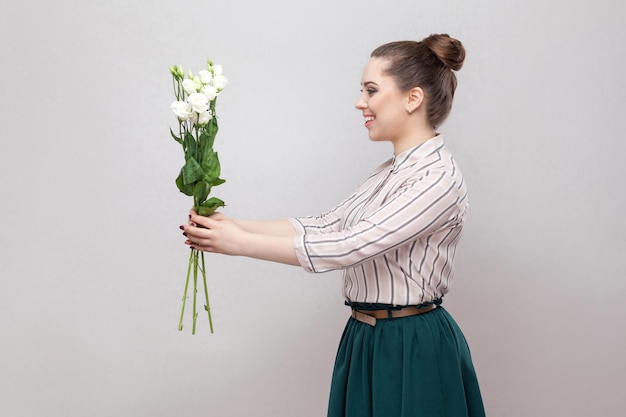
416,138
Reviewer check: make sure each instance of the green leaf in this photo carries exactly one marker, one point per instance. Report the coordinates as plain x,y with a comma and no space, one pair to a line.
201,191
210,206
190,146
212,169
205,149
217,181
176,138
185,189
211,130
192,171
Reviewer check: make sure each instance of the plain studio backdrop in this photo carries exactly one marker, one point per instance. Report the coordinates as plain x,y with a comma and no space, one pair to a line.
93,263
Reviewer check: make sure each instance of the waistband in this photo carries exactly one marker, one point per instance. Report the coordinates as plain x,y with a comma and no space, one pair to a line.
372,316
355,305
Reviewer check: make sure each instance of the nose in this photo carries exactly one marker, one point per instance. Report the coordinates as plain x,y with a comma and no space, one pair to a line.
360,103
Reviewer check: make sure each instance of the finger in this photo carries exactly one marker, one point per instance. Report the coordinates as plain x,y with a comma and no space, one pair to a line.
196,219
194,245
200,247
196,234
192,212
206,222
197,243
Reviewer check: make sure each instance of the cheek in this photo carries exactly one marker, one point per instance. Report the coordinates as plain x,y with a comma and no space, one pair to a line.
383,103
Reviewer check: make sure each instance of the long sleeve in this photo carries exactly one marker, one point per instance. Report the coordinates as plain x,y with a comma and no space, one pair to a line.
417,209
333,219
329,221
395,238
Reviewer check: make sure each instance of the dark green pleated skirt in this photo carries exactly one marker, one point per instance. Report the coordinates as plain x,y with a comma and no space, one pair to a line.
417,366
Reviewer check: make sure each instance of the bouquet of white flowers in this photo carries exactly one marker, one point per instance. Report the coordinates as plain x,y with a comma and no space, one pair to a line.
194,108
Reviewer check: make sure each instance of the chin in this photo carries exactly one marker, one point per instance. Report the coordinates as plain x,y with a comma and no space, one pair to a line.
374,138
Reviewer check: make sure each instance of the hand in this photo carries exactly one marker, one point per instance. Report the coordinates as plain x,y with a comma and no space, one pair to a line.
216,233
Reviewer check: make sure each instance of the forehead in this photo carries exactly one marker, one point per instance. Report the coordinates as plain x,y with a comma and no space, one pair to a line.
375,71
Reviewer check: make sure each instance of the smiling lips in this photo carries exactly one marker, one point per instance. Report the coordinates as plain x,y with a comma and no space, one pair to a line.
369,120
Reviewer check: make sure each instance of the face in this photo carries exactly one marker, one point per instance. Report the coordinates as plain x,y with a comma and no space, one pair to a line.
383,105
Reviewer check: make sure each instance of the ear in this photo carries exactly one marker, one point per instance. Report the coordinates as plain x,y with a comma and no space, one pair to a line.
415,98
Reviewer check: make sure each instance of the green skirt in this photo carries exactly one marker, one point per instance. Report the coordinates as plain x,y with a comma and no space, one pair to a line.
417,366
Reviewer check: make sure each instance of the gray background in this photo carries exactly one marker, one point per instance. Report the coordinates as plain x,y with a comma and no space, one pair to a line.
92,261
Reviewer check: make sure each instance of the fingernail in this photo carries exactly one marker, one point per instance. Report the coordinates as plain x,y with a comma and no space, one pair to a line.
181,228
184,234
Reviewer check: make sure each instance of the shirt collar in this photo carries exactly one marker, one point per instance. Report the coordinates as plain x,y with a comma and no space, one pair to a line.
413,155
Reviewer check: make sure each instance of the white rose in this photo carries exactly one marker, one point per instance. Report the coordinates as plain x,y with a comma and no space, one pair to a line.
189,86
199,102
205,77
210,92
217,70
219,82
182,110
204,117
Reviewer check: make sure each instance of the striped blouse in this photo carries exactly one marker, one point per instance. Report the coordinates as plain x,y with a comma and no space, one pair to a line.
396,236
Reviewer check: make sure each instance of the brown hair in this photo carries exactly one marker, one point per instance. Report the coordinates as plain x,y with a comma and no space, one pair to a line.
428,64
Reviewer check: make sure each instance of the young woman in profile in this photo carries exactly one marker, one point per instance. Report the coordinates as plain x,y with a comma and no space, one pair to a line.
394,238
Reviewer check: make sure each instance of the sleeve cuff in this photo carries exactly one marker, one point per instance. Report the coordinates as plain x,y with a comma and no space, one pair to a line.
298,227
299,245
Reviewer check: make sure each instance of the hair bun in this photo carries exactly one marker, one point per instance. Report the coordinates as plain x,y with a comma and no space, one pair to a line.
450,51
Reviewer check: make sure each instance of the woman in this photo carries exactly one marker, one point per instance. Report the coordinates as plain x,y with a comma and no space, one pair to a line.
395,238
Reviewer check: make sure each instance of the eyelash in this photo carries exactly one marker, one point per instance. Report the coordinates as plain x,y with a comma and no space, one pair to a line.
370,91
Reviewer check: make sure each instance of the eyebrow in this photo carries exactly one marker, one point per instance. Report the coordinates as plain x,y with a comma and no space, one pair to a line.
366,83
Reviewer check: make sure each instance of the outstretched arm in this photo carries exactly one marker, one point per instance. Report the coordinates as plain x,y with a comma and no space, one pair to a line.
268,227
269,241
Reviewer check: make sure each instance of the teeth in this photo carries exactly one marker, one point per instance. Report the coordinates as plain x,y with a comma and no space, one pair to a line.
369,118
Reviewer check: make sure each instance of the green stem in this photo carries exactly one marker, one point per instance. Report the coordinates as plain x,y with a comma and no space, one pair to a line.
182,310
207,306
195,290
181,135
198,150
175,87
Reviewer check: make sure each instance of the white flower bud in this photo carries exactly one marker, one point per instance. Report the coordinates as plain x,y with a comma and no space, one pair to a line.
210,92
219,82
205,77
189,86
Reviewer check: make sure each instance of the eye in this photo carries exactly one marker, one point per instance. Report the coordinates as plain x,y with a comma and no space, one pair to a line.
371,91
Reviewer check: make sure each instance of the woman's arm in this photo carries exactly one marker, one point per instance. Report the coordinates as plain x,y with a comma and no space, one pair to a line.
280,227
269,241
418,209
